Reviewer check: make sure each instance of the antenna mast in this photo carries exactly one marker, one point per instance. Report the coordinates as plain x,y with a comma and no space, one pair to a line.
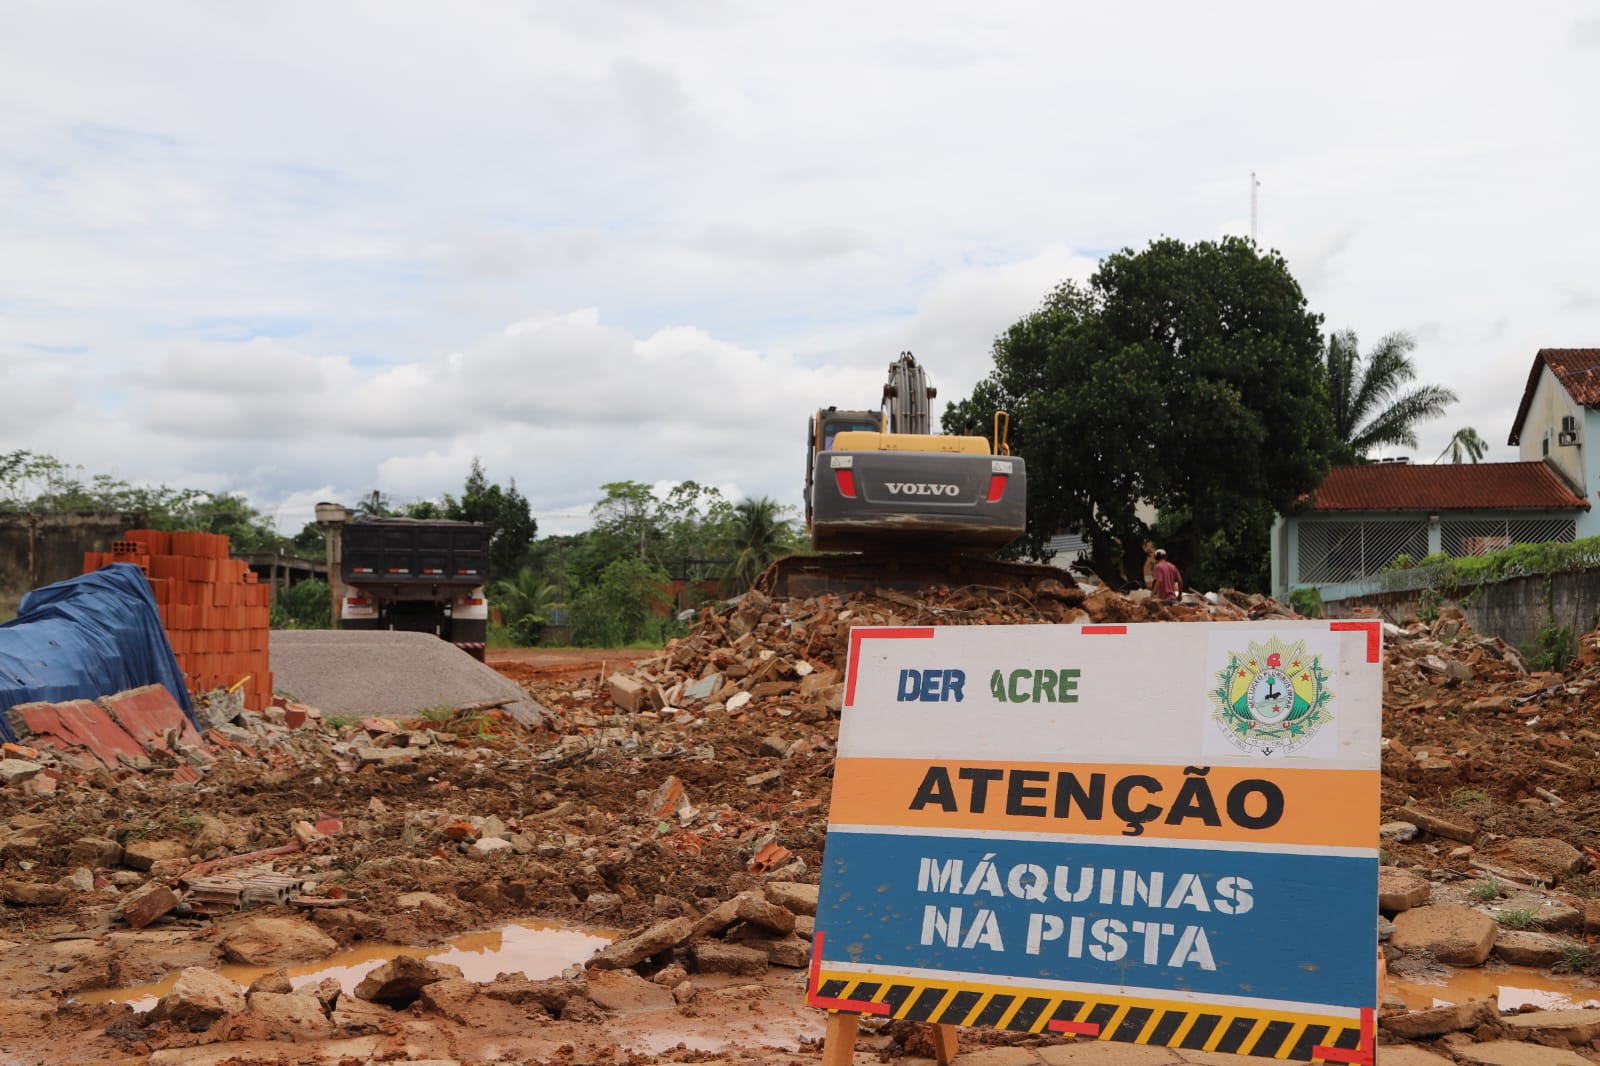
1254,185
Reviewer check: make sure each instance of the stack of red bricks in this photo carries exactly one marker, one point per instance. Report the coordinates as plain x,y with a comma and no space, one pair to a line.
215,614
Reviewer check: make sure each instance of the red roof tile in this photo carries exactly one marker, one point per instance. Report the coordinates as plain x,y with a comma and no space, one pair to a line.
1578,371
1444,487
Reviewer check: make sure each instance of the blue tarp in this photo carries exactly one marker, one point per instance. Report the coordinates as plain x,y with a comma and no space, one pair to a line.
90,636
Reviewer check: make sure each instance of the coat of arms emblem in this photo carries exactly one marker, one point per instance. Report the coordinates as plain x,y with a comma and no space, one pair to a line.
1272,698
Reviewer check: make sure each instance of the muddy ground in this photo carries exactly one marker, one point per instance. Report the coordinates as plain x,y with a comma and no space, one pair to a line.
603,838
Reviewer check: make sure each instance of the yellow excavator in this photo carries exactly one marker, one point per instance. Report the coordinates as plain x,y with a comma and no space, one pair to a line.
911,507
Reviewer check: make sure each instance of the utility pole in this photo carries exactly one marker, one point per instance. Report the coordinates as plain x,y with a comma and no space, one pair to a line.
1254,185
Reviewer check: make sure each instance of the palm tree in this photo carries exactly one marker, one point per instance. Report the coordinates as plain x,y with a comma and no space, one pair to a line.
759,534
1370,407
1465,442
526,602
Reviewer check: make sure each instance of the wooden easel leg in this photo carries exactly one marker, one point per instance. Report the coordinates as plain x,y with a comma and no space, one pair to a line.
944,1043
839,1039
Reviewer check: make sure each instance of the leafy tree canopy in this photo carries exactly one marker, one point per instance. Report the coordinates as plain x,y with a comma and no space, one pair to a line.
1185,377
682,531
506,510
44,484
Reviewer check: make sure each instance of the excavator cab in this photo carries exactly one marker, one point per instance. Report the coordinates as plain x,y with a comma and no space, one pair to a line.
882,480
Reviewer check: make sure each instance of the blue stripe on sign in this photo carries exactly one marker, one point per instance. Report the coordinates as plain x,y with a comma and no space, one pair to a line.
1233,923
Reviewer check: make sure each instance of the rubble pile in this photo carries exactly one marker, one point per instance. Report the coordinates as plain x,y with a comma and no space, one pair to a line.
682,801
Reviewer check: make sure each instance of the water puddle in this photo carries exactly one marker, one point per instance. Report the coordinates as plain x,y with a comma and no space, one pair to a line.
536,949
1510,988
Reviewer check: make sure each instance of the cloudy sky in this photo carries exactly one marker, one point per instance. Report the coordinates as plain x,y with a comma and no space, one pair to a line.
302,251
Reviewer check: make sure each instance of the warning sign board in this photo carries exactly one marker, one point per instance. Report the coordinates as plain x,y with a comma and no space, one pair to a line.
1161,834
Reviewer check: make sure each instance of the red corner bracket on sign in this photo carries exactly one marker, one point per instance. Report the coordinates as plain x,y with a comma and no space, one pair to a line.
856,1006
1362,1053
1374,631
1076,1028
857,636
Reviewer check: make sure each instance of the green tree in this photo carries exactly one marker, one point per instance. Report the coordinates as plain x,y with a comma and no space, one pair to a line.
625,606
304,605
1371,406
526,603
1465,442
759,533
423,509
628,516
505,510
693,522
1185,377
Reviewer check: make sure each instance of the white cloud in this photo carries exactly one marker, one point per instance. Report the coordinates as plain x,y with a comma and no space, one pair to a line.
290,249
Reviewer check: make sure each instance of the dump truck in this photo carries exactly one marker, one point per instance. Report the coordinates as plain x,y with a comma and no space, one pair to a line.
412,574
906,507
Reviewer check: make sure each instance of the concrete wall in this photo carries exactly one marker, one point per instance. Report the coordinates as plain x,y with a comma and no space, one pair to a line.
1514,610
42,549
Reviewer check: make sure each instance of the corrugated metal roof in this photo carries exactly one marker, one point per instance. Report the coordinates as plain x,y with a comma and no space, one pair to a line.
1578,371
1445,487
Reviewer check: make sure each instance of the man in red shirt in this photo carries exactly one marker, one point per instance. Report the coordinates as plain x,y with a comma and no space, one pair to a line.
1167,580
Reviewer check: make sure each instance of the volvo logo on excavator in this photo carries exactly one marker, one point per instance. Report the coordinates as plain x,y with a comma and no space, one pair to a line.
912,488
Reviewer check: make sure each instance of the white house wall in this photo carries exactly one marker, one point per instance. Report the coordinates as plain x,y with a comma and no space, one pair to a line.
1551,403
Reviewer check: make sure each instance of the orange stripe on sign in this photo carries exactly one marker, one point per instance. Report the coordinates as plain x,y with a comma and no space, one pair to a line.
857,636
1255,804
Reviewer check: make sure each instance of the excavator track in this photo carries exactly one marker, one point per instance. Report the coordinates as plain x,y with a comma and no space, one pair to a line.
815,575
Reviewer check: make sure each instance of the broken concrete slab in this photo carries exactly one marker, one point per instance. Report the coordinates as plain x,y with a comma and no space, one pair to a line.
398,982
1448,932
633,695
198,998
1400,890
720,956
141,855
1454,1017
793,896
1522,947
144,905
16,771
619,990
1450,827
1555,1026
267,941
286,1016
635,949
1516,1053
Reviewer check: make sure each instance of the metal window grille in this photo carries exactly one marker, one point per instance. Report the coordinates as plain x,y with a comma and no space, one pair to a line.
1344,550
1480,536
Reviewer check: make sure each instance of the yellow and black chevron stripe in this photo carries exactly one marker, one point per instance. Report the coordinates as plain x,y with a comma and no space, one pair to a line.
1237,1031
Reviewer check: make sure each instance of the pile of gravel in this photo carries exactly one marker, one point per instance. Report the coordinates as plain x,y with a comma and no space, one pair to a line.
351,674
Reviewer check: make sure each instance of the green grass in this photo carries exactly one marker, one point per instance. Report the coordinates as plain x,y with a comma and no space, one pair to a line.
1470,797
1490,889
1515,919
1575,958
